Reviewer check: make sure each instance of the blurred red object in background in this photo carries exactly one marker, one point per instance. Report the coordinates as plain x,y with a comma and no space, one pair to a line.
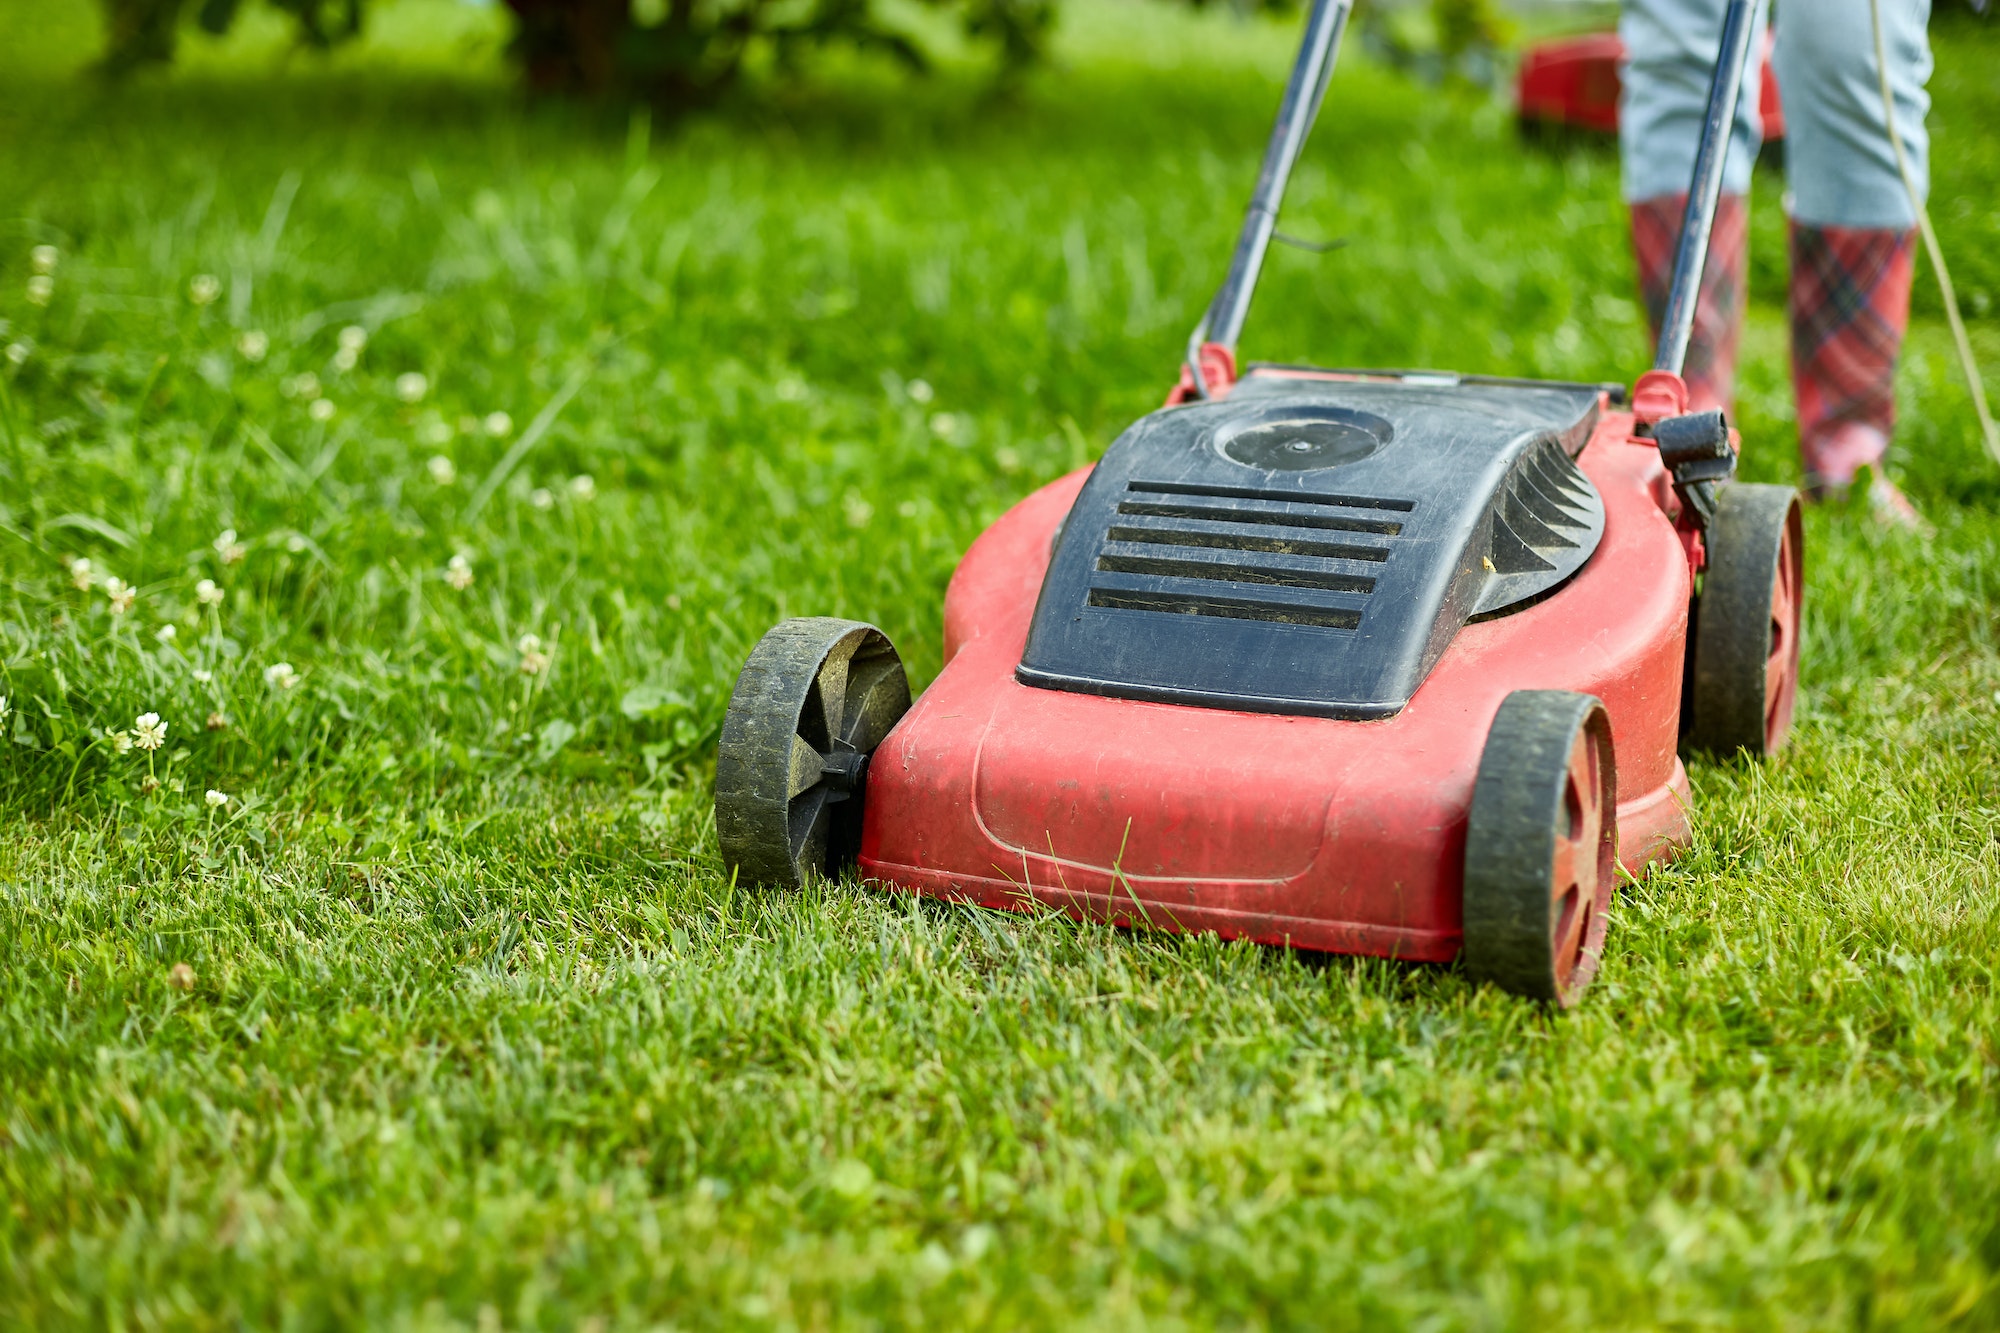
1572,83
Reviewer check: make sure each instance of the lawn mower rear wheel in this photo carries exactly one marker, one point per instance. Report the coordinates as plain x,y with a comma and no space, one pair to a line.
1541,846
813,701
1746,623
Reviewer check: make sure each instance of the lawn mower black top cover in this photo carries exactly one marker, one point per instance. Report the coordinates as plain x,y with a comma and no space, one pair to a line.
1312,546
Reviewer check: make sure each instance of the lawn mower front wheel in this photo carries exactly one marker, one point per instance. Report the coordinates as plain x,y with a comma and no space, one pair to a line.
1745,633
1541,846
813,701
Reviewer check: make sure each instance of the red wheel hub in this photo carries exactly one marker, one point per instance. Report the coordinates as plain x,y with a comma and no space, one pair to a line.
1584,869
1781,666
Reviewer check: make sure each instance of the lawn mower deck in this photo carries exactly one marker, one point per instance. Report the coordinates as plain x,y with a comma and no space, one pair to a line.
1328,832
1376,662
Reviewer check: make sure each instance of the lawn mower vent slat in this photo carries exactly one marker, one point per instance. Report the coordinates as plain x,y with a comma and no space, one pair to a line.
1219,571
1325,522
1223,539
1547,522
1229,608
1282,497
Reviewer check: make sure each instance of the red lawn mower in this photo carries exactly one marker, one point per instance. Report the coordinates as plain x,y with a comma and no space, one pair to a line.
1573,83
1372,662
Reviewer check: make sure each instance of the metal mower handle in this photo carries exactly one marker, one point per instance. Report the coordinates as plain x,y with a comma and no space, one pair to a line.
1223,321
1706,187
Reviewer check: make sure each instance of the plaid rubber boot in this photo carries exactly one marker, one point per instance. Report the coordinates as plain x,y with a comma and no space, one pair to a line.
1850,303
1718,310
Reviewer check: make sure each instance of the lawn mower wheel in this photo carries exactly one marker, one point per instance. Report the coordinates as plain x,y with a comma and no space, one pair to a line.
1541,846
812,703
1746,623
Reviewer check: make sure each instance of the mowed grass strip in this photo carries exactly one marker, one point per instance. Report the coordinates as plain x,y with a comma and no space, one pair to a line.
448,1016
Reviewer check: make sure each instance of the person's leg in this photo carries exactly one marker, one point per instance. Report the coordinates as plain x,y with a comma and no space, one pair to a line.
1710,368
1852,237
1670,48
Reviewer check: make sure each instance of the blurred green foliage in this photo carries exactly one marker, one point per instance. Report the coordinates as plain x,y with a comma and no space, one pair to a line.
1443,41
683,53
672,52
145,32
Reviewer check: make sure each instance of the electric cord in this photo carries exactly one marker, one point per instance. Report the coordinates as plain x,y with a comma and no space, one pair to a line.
1966,362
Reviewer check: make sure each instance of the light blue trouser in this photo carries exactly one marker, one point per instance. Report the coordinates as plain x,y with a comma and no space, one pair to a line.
1839,163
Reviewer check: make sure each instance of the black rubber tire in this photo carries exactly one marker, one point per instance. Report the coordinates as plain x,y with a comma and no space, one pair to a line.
1744,636
1541,846
814,700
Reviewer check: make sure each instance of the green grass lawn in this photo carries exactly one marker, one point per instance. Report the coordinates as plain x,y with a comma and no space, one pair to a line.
449,1017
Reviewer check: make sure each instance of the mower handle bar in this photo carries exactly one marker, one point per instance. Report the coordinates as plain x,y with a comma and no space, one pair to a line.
1223,321
1705,190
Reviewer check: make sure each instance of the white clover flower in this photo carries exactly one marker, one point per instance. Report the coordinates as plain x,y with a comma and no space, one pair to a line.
207,593
411,386
921,391
458,572
346,359
498,424
79,572
322,409
944,425
203,675
229,548
43,257
295,543
6,707
442,470
304,385
120,741
40,288
121,594
148,732
216,799
435,430
252,344
534,661
166,633
203,288
542,498
353,338
18,353
280,676
583,486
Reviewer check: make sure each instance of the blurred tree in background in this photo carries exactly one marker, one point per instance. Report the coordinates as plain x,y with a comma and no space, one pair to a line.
677,53
686,53
145,32
682,53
